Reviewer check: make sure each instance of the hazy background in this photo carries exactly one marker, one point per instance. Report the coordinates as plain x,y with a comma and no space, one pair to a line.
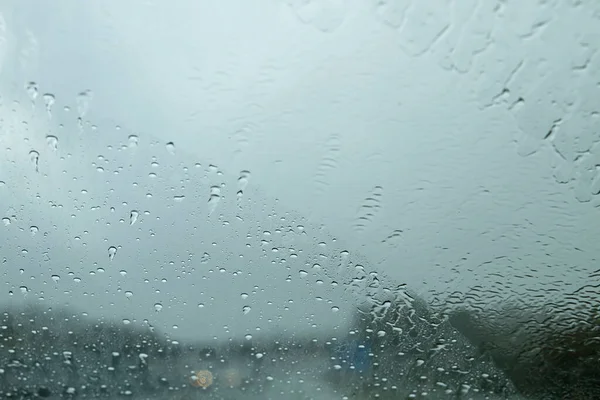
451,146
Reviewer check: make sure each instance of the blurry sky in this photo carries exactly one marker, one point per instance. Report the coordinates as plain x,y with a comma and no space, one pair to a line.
447,145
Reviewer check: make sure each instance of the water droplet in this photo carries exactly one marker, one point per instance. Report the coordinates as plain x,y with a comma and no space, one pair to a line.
179,198
34,158
335,309
55,278
171,147
83,102
33,229
205,258
213,200
32,90
243,182
381,333
200,305
129,294
24,289
112,250
369,209
133,141
49,101
133,216
246,309
244,296
158,307
6,221
123,272
303,274
52,142
248,337
126,322
259,355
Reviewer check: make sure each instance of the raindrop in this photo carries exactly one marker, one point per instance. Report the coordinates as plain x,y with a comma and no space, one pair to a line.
244,296
126,322
33,229
32,90
335,309
248,337
123,272
381,333
83,102
246,309
133,216
112,250
213,200
6,221
303,273
200,305
52,142
55,278
129,294
259,355
369,209
133,141
158,307
49,101
179,199
171,147
34,158
24,289
243,182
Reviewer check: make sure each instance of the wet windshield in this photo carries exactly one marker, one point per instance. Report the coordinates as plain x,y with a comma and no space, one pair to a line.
299,199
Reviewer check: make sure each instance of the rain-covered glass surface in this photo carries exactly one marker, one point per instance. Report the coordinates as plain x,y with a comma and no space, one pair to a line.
300,199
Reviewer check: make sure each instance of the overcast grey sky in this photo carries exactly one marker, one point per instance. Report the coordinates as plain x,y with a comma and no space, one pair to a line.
446,147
